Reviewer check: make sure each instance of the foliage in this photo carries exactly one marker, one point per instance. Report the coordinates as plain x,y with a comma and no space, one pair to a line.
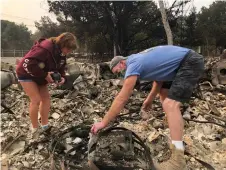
212,24
15,36
47,28
127,25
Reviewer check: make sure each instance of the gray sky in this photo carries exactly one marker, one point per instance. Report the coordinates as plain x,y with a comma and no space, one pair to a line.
28,11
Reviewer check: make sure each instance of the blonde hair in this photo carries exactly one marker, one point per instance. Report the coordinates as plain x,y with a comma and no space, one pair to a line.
65,40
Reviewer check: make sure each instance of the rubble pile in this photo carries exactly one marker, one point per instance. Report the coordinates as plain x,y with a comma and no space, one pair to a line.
216,69
86,101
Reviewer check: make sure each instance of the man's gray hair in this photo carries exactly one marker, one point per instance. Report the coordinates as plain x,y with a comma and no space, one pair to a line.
116,60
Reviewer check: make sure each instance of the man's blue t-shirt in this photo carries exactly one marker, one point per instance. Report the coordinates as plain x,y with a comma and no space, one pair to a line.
158,63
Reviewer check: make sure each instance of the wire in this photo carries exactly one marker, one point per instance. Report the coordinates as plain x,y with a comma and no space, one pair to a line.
22,18
42,5
17,17
29,25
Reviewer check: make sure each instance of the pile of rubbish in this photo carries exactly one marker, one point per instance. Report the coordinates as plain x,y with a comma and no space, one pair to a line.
87,96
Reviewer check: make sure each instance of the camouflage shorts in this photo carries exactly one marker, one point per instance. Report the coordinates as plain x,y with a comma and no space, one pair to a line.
166,84
188,75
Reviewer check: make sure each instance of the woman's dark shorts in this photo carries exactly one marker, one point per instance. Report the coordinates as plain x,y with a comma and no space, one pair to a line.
190,71
24,80
38,81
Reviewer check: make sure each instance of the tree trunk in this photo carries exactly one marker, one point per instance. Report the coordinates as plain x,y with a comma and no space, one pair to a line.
166,23
207,43
114,49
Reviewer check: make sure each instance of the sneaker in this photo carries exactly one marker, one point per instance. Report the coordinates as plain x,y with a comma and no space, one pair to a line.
35,132
176,161
45,127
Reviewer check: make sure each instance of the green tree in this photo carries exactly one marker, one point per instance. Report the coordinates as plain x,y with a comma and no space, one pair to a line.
15,36
127,25
212,25
188,35
47,28
191,29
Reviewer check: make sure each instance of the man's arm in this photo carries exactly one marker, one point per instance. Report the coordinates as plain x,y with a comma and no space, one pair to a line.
156,86
121,99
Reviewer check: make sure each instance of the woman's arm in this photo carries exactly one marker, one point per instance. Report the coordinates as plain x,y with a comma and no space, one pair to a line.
35,63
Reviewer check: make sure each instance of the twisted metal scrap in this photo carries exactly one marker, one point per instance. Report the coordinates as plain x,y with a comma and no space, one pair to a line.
57,147
93,142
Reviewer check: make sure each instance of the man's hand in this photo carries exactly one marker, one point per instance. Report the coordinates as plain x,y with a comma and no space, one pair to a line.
147,105
97,126
154,91
49,78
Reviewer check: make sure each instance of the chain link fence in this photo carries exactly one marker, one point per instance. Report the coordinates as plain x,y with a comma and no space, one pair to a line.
79,57
13,53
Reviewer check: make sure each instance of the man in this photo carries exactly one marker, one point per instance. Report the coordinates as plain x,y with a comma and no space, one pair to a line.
162,63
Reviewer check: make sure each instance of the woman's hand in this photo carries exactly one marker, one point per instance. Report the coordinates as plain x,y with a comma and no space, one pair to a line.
49,78
61,82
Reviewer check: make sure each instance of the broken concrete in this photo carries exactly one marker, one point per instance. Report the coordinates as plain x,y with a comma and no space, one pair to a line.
8,76
205,121
219,73
7,79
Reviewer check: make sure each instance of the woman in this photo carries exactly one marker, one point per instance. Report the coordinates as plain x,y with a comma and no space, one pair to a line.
34,73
